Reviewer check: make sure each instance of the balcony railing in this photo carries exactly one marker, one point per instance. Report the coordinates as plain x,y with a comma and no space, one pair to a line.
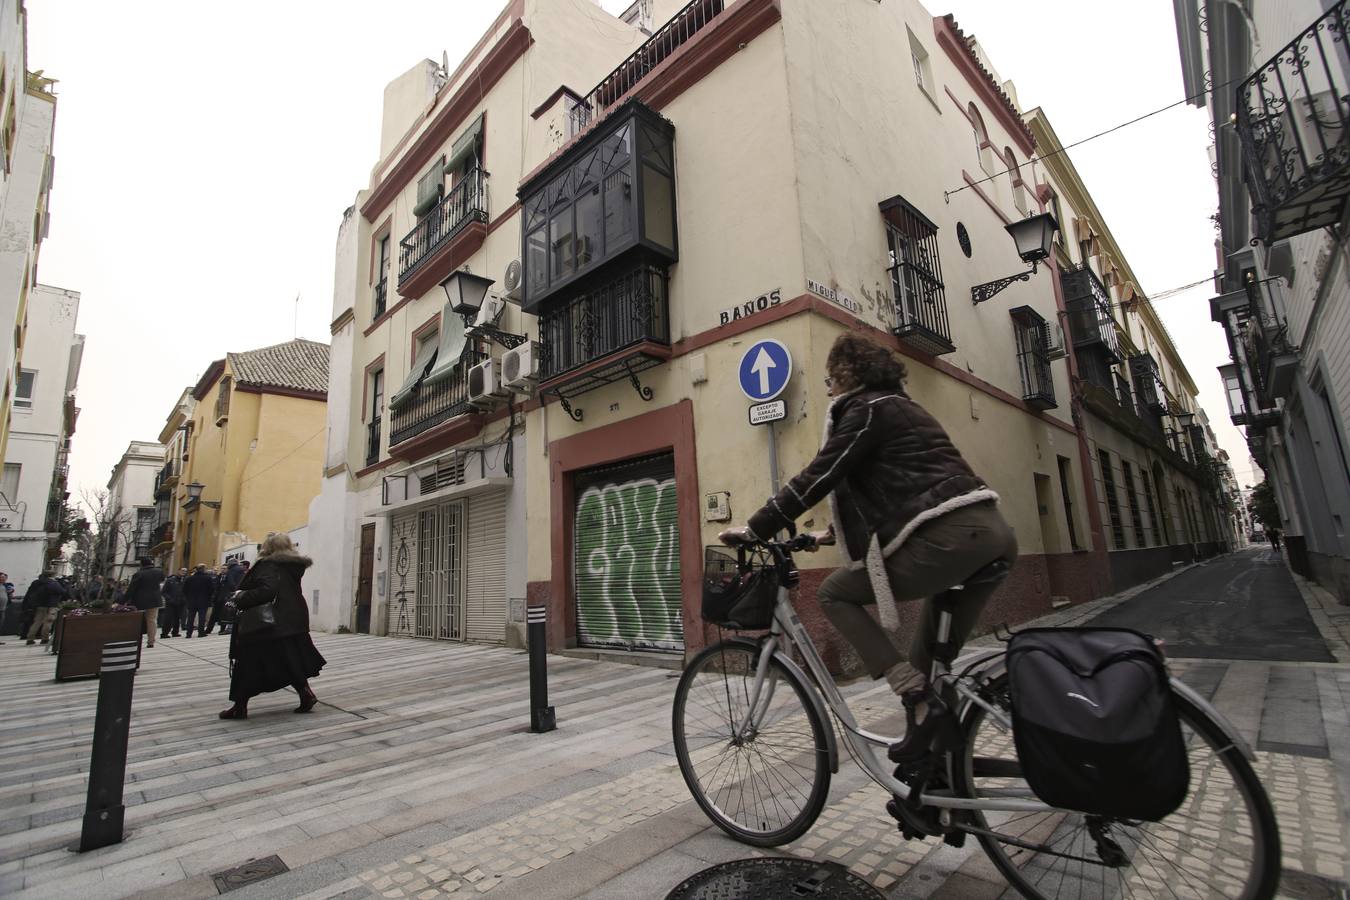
434,403
668,38
624,312
381,298
51,523
1033,358
373,441
1148,384
1089,307
1294,125
466,202
163,534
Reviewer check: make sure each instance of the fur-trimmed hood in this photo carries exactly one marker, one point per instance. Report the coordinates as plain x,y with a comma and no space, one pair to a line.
288,557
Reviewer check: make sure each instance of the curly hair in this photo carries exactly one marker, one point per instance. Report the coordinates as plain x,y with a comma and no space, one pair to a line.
860,360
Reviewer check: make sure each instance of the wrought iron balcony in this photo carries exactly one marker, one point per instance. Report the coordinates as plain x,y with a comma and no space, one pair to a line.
465,203
686,23
51,523
1148,384
163,534
1273,359
1089,307
381,301
435,403
612,331
373,441
1033,358
1294,126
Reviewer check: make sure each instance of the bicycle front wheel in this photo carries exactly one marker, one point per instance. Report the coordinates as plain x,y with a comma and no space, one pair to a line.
761,774
1221,842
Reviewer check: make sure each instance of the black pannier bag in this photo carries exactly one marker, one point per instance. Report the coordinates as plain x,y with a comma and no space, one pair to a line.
1094,722
737,593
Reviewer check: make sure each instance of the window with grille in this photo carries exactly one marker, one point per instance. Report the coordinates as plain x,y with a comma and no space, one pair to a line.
1136,520
23,391
223,399
1112,500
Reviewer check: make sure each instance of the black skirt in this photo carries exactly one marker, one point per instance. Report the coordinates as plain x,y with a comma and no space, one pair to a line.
261,666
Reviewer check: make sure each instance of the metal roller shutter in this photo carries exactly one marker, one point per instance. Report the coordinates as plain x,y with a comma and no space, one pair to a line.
626,556
485,569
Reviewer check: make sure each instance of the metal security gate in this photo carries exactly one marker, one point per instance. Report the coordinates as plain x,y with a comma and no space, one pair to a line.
403,540
485,569
440,595
626,556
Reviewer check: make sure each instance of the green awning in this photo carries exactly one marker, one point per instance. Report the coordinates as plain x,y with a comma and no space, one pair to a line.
451,347
425,357
465,145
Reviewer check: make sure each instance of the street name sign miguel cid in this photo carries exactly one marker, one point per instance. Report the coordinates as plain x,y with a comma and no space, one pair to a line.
765,369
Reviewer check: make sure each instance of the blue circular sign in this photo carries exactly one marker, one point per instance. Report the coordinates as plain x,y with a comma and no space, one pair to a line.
765,369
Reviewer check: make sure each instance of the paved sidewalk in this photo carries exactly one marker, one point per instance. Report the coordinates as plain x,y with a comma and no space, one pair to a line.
417,778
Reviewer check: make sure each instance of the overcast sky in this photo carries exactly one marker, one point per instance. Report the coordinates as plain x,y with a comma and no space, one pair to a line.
205,153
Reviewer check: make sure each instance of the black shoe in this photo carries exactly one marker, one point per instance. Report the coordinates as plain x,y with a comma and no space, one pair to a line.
918,739
31,642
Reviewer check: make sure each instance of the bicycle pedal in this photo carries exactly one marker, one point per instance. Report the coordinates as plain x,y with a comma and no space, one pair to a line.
913,825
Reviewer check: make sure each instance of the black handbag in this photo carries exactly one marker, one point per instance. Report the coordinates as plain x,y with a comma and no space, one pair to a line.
256,619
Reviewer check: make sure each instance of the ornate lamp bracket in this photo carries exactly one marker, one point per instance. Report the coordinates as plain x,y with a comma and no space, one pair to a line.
502,338
982,292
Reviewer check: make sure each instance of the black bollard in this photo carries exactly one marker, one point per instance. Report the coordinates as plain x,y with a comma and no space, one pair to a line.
103,810
541,714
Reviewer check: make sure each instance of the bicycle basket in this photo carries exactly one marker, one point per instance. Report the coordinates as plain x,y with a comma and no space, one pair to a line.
737,592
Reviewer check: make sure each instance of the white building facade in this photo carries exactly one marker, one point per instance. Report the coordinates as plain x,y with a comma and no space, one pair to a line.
43,417
131,507
27,120
1283,269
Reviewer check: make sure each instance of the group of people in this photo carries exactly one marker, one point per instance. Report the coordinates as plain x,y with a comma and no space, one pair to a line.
187,599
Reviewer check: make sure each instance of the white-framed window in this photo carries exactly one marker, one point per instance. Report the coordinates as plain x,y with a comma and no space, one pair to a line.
23,391
9,484
923,70
983,147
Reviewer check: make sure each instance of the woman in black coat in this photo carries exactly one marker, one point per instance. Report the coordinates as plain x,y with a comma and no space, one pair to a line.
283,654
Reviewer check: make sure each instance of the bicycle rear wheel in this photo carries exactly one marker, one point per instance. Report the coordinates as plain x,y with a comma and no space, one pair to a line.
764,787
1221,842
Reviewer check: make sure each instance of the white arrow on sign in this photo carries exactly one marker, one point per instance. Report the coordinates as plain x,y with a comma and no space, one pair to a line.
763,363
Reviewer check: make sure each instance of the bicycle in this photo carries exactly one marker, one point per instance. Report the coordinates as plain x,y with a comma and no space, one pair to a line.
755,745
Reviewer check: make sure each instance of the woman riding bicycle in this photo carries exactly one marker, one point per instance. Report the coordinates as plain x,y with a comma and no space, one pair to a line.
914,518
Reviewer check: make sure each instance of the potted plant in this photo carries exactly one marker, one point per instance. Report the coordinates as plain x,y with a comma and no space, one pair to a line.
83,630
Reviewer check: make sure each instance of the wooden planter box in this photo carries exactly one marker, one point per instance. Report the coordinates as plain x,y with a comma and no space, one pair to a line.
81,639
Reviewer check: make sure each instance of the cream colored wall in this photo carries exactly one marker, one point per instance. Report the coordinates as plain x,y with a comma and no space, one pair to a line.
206,464
282,473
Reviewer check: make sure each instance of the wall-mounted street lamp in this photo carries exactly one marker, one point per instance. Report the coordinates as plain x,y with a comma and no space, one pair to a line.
466,292
1184,418
1032,236
194,496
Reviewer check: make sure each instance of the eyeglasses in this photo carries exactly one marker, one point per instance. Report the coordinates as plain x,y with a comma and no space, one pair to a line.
829,382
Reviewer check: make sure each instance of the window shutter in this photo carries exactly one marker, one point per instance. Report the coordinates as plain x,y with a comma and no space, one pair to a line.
429,189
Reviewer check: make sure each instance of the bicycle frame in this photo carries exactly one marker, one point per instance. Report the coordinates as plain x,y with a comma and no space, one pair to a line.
787,631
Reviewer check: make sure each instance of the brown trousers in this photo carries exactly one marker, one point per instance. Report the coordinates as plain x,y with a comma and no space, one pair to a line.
939,554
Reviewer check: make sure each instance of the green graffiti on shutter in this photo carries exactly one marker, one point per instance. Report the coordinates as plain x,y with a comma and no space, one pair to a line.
627,564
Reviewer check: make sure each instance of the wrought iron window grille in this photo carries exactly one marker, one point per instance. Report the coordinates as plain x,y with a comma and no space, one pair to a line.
915,274
1032,334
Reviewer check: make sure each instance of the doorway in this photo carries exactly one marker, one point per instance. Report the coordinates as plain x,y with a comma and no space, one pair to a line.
365,577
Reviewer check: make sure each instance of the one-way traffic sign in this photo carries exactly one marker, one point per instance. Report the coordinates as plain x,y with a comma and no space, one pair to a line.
765,369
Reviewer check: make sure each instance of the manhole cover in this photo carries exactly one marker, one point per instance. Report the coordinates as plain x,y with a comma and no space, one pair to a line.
775,879
251,872
1302,886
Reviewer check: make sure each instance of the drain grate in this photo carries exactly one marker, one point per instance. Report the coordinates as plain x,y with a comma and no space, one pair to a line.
1304,886
775,879
251,872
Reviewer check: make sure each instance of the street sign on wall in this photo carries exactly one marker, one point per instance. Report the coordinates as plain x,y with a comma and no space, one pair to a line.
764,413
765,369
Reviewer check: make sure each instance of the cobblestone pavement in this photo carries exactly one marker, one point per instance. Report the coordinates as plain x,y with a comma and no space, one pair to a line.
417,779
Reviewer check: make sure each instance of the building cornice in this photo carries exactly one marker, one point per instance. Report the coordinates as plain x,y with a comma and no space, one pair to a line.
454,113
321,396
209,378
348,315
958,48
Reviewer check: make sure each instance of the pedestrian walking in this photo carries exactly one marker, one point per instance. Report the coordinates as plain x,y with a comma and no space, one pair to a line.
1275,538
226,584
43,596
173,605
197,591
6,598
144,593
282,654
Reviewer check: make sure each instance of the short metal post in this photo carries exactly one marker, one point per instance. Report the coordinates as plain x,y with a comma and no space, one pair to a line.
541,714
103,811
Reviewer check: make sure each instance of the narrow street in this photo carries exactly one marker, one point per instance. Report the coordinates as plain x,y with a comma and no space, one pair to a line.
417,777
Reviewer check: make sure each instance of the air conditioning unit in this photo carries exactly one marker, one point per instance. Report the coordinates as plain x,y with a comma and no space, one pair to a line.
490,313
520,367
512,279
1056,348
485,387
